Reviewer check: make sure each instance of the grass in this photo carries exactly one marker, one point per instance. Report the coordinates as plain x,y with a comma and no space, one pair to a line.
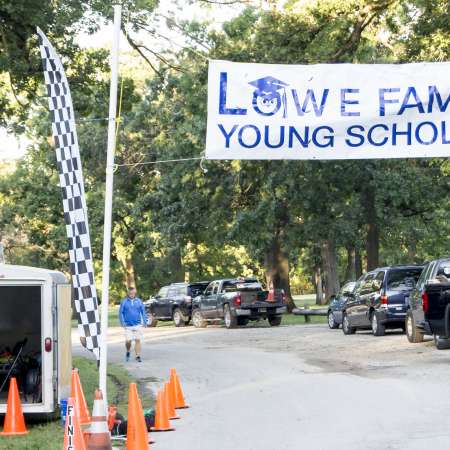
49,435
301,301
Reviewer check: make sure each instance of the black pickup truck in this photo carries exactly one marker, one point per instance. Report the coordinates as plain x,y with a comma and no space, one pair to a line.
237,301
429,305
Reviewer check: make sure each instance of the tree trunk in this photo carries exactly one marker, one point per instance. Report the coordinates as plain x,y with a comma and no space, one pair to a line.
350,270
358,263
277,270
318,285
129,274
329,260
412,246
175,264
373,232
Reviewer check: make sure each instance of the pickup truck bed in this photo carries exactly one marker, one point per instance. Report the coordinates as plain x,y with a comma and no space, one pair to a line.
237,302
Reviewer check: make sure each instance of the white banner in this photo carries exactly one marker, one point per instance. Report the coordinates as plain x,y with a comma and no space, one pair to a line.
328,111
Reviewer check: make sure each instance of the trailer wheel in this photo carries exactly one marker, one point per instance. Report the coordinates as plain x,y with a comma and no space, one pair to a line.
274,321
151,320
229,318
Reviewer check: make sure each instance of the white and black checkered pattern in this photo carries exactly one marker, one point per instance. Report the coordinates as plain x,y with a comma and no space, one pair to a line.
74,202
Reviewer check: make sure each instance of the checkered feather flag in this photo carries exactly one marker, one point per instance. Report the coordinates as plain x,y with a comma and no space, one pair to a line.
74,202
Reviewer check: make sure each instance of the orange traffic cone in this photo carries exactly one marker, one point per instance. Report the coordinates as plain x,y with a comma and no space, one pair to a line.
144,424
178,392
170,402
137,436
161,417
14,420
73,435
80,401
99,437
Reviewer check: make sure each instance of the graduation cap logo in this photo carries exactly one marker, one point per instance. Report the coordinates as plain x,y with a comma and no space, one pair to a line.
269,95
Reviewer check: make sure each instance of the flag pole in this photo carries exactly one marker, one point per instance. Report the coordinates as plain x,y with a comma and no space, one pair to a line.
108,201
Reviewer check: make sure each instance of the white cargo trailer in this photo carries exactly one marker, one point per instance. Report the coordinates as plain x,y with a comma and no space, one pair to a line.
35,337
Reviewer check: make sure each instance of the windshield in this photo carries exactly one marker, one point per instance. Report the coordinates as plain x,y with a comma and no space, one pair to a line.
403,279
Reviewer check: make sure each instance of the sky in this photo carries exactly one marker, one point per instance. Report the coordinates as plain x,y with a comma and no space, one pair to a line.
12,148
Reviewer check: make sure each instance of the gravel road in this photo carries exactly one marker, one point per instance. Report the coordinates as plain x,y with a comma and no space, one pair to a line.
298,387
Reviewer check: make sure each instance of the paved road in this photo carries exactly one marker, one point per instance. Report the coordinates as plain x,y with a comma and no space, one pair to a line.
298,387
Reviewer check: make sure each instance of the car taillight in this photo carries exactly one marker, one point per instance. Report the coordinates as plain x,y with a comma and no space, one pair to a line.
384,299
48,344
238,300
425,303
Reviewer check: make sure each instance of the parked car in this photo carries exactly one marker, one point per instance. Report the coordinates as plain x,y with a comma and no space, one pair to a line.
174,302
337,304
430,305
380,300
237,301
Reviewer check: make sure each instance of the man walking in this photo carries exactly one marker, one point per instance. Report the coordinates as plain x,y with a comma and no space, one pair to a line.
132,317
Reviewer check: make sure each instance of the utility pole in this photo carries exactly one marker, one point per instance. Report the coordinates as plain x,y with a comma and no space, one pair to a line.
109,200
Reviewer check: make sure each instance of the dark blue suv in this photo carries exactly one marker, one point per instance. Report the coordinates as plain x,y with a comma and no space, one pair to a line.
381,300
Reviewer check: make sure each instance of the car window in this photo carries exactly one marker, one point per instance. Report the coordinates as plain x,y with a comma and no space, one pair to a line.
423,276
209,289
181,291
163,292
216,288
366,285
196,289
241,285
403,279
444,269
348,287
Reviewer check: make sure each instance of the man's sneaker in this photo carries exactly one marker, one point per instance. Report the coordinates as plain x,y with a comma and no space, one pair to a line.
127,356
138,359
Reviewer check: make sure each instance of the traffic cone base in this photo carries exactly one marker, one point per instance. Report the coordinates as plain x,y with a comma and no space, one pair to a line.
161,417
170,402
178,391
14,421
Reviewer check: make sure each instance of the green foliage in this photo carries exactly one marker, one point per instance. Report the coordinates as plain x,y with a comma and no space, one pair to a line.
173,220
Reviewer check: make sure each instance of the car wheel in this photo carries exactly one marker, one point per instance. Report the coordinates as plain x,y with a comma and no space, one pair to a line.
332,321
178,318
441,343
413,333
346,328
378,329
151,320
242,321
198,320
229,318
274,321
